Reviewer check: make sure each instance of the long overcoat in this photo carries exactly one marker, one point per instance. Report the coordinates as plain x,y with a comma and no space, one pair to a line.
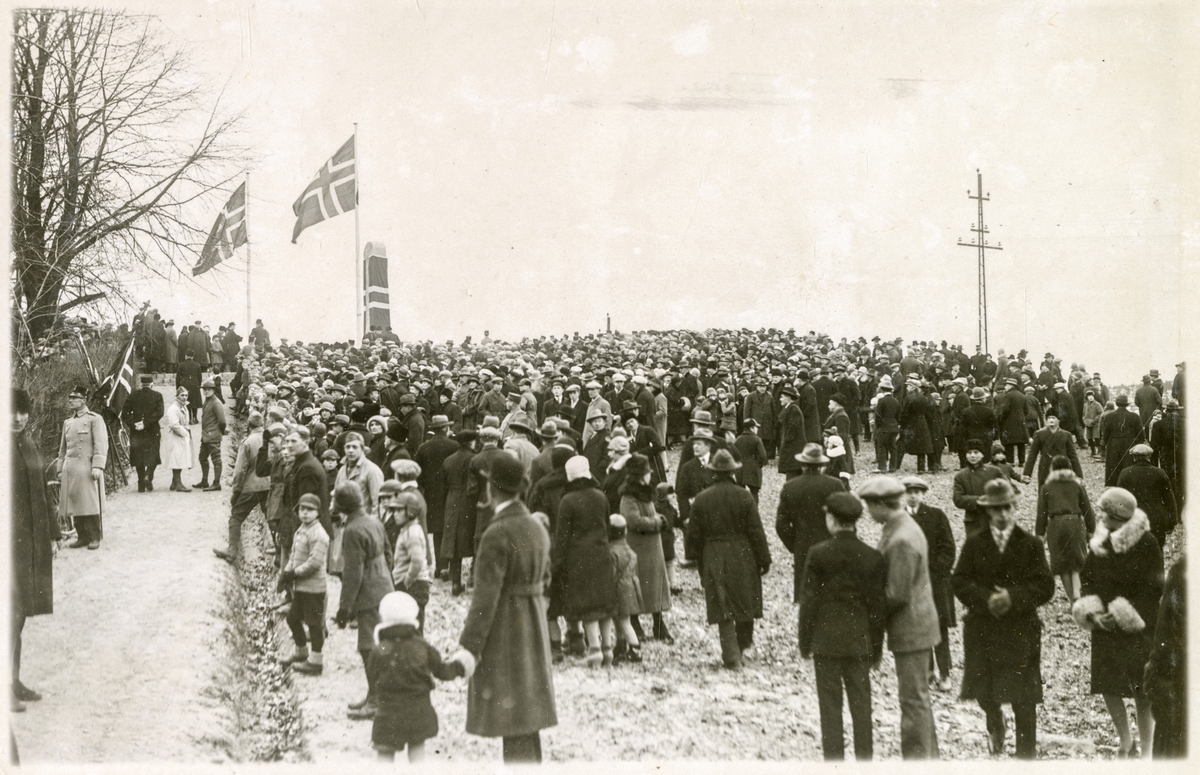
726,535
512,690
792,436
177,441
936,526
83,446
1002,656
914,424
1126,563
458,536
144,405
800,519
644,528
579,559
431,456
1118,432
34,530
1152,488
1010,417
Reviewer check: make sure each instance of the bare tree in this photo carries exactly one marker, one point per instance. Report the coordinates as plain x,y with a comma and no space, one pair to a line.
112,142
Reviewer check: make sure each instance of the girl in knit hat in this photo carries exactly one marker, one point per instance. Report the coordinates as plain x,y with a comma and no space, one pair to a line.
305,573
402,667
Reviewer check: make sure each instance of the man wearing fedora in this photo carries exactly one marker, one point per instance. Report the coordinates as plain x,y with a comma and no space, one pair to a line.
414,421
800,517
505,642
431,457
692,478
912,620
1001,579
726,538
969,485
1047,444
887,428
518,443
1148,400
762,407
806,399
141,414
597,406
1010,419
792,434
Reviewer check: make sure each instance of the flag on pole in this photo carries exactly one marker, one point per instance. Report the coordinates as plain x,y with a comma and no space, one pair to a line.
334,191
87,357
117,386
227,235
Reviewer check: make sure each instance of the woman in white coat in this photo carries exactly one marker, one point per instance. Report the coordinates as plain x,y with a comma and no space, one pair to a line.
177,441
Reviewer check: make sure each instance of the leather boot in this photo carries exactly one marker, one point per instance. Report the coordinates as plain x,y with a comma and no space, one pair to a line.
576,645
312,666
633,654
299,655
661,632
234,551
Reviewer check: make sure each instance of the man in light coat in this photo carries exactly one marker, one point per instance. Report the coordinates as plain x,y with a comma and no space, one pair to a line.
912,620
82,455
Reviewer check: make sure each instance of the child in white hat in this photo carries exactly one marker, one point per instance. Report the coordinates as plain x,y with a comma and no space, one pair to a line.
401,666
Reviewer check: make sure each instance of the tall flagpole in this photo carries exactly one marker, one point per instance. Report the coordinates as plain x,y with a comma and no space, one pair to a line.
246,221
358,268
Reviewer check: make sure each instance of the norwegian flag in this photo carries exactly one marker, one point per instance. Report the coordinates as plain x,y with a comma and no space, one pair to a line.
334,191
227,235
117,386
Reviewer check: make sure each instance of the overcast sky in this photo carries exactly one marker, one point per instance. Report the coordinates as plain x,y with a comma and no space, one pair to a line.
533,166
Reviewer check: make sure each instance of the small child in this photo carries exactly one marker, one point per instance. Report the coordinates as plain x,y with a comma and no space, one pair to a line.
305,571
662,504
401,666
410,558
1000,460
629,598
840,466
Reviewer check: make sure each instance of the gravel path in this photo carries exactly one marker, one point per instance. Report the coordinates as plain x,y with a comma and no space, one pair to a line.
128,661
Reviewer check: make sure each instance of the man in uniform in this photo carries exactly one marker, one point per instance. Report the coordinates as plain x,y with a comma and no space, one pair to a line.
82,455
141,414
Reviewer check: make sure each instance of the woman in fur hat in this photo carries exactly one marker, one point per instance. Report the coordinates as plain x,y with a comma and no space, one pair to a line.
1122,582
1064,521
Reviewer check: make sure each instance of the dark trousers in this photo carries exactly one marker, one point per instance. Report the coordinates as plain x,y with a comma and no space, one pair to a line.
419,590
887,455
241,510
855,674
145,475
941,654
308,608
210,450
735,637
1025,718
87,528
523,749
1020,449
18,624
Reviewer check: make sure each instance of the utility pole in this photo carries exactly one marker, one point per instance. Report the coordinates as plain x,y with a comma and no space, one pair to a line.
980,243
608,321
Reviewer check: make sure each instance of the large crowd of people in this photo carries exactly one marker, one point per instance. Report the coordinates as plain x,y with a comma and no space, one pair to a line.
390,463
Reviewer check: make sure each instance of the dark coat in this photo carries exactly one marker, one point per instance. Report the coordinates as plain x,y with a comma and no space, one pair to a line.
763,409
753,455
306,476
940,540
824,388
800,519
596,451
479,468
726,536
458,535
1166,437
915,437
512,690
1010,417
792,437
968,489
187,375
1166,670
691,479
1126,563
810,408
887,414
579,553
431,456
1118,432
34,530
843,607
1046,446
401,667
366,576
978,422
144,405
1152,489
1002,656
1062,406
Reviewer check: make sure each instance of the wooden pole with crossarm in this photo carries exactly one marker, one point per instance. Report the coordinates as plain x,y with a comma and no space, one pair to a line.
980,243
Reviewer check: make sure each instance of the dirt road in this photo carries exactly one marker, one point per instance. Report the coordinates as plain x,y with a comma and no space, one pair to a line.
128,660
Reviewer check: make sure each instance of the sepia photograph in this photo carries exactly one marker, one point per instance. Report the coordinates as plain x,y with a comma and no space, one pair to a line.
375,368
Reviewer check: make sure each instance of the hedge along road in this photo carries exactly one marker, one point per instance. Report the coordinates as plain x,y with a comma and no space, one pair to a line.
129,662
